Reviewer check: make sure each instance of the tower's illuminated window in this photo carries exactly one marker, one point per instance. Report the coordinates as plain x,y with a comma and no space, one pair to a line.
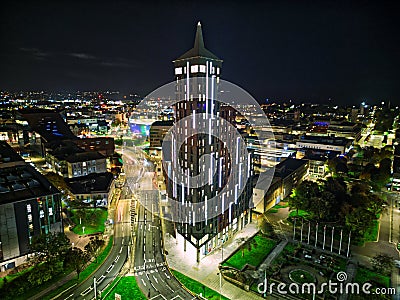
202,68
178,71
194,69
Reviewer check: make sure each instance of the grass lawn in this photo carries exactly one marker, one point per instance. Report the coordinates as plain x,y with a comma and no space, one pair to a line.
11,277
196,287
341,264
371,234
282,205
126,287
364,275
254,257
289,248
85,273
302,213
92,219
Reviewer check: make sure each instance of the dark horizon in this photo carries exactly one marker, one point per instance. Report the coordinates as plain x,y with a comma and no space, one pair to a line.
346,52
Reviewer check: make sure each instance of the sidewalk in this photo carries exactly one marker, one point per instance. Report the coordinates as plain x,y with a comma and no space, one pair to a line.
206,271
77,240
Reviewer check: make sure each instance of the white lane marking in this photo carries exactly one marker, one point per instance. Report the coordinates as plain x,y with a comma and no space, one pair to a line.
87,291
120,250
147,275
110,268
122,240
144,282
159,295
166,275
101,278
153,286
115,260
170,288
176,297
69,296
155,279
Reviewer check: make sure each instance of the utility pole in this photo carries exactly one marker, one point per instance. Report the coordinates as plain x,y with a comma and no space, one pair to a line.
95,287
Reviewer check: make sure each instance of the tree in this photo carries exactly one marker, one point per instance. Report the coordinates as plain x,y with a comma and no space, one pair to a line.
338,165
50,247
42,273
321,205
382,263
94,246
303,194
77,259
385,165
376,204
359,220
337,186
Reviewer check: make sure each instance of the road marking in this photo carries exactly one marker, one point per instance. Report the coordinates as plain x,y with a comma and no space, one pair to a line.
170,288
166,275
69,296
110,268
122,240
159,295
155,279
115,260
120,250
144,282
153,286
176,297
101,278
87,291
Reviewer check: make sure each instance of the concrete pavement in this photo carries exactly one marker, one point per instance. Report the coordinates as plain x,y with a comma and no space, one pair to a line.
206,271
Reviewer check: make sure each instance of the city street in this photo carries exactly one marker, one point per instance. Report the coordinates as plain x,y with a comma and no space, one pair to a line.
150,268
153,275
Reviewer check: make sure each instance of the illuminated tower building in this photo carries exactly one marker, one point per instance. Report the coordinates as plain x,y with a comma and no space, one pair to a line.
197,76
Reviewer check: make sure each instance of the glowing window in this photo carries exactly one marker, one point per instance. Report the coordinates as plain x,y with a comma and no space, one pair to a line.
178,71
194,69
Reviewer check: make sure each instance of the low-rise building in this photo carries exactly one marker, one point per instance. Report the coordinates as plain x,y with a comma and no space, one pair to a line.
345,129
288,174
97,189
158,130
68,160
323,144
29,206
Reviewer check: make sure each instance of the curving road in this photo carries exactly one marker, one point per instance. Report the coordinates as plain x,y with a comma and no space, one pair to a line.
112,266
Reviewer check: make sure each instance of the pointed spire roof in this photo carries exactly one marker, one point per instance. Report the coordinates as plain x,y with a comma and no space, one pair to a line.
198,50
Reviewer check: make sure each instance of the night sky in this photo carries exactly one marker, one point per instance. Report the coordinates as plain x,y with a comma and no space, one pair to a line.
305,51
